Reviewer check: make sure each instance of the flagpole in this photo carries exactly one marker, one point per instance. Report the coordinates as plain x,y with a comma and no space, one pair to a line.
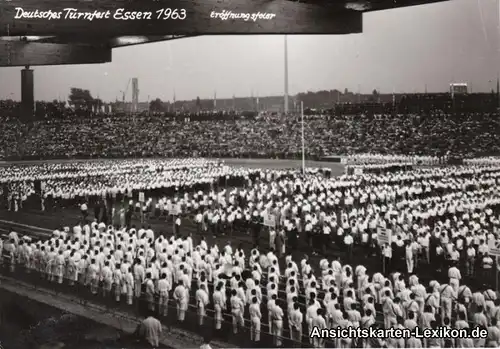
303,141
286,76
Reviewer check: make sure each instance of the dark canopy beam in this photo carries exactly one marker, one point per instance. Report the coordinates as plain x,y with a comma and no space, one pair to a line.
32,53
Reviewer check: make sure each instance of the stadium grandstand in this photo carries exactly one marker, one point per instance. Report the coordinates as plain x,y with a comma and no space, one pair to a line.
412,125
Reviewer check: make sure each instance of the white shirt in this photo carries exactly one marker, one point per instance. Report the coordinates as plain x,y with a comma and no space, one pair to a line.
348,240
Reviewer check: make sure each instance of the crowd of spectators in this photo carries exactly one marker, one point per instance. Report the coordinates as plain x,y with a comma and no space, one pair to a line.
124,136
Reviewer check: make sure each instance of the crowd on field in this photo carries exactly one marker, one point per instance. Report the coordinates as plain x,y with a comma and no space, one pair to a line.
431,231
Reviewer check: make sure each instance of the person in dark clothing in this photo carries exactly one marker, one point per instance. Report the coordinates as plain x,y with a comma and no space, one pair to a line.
256,227
97,210
128,215
291,237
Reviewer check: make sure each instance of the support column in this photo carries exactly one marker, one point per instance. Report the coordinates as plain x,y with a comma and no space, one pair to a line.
27,94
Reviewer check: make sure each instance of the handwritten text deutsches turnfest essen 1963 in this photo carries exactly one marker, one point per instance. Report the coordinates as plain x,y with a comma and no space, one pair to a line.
123,14
117,14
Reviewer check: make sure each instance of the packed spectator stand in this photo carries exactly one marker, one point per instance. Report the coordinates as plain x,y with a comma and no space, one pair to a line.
347,129
440,217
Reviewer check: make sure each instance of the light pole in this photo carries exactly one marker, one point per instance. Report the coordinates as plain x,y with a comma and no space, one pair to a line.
286,76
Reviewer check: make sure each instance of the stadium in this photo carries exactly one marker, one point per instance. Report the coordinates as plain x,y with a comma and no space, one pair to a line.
171,208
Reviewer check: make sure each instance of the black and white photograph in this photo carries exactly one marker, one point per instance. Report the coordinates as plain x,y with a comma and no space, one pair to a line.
327,180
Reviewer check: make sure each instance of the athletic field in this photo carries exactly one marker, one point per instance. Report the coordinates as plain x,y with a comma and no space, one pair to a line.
36,221
39,223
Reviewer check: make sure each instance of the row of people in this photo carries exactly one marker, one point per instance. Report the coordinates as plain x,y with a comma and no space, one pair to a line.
287,297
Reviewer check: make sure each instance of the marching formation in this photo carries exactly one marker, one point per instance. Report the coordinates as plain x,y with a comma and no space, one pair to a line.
391,248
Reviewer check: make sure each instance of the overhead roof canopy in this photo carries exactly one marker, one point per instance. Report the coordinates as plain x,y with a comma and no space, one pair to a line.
370,5
295,15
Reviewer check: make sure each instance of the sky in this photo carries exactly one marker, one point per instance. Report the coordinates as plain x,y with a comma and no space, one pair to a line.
402,50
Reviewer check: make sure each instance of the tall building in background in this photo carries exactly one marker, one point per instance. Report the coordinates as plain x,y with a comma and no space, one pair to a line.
27,94
135,94
458,88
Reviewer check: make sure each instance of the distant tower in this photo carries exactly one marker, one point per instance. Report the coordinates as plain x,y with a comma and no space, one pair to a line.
135,94
174,102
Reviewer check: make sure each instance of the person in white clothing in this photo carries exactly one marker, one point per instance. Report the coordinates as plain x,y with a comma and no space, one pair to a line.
150,330
255,320
163,288
409,257
84,211
202,301
181,296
